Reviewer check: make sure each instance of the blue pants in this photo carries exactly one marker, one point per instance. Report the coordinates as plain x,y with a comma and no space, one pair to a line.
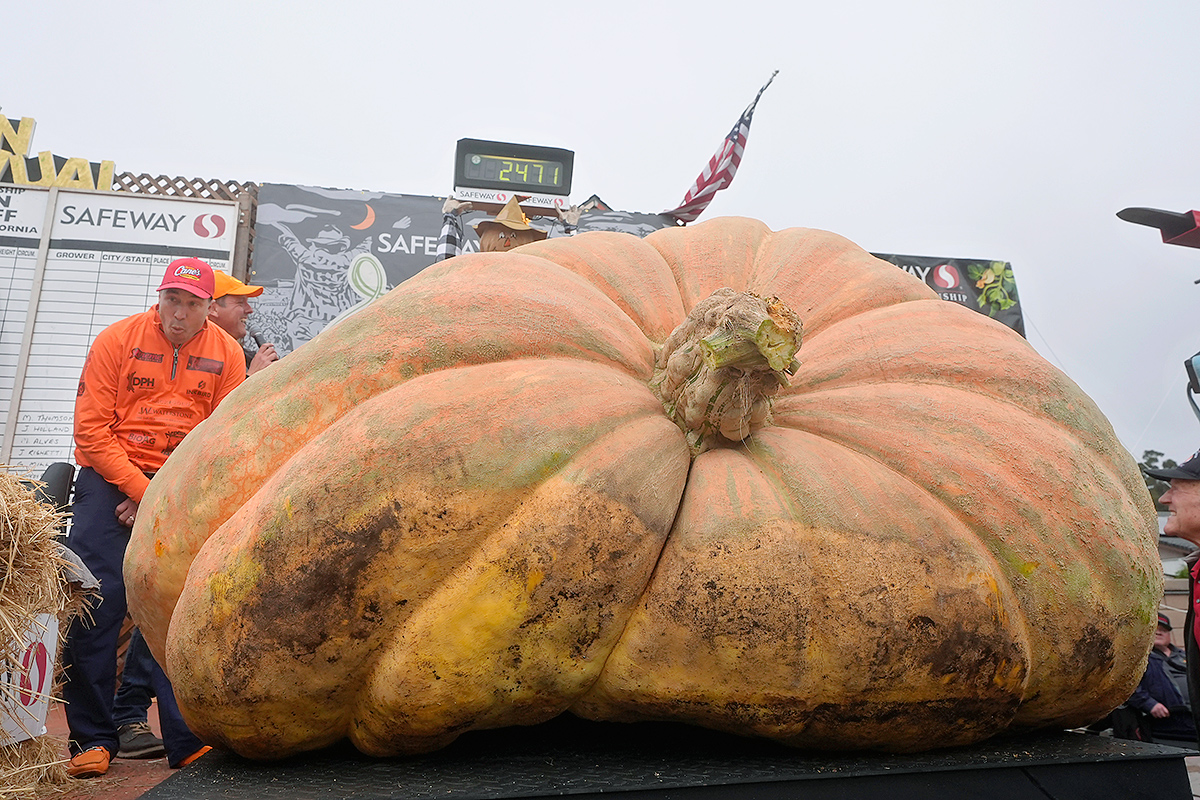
133,696
90,654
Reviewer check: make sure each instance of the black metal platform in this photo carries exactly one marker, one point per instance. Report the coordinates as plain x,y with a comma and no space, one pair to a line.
570,757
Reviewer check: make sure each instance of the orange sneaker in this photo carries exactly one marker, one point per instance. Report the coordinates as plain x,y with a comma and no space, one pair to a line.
192,757
91,763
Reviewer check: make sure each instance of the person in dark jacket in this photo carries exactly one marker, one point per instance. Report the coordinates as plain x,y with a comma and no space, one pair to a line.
1163,692
1183,501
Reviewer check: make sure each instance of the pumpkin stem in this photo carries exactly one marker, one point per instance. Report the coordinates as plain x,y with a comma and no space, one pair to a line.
719,370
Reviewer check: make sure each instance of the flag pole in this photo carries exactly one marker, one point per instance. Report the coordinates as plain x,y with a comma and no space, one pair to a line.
721,168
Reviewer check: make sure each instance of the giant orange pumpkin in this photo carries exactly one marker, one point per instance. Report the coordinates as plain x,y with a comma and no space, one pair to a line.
513,487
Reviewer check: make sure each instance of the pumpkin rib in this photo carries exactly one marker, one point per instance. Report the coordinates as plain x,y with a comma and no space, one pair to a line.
790,402
844,282
781,416
630,272
529,688
919,358
1040,605
520,284
326,379
1013,605
1017,606
788,418
706,257
762,667
618,403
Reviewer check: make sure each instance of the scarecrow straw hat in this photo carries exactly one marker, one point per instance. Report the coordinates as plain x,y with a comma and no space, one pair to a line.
512,217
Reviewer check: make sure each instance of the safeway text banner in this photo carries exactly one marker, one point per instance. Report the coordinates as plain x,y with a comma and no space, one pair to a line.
143,224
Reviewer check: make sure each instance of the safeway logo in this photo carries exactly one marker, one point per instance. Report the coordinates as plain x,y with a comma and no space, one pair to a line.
35,670
946,277
209,226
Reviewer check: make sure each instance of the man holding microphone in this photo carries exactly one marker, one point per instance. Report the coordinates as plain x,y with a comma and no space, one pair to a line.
231,306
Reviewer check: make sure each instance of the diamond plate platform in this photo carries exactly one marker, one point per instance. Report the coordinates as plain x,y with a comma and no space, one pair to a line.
573,758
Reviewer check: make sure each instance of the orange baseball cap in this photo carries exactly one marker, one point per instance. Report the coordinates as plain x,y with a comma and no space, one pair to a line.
227,284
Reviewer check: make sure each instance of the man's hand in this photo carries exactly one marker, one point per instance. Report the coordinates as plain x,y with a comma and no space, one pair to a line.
265,356
1160,711
452,206
127,512
570,216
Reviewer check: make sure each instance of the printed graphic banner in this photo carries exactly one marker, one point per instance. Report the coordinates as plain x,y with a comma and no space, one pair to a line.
984,286
321,254
324,253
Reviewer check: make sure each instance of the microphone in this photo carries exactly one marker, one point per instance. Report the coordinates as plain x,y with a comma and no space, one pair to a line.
258,339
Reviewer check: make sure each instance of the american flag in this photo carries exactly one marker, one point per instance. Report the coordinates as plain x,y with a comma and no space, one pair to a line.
721,168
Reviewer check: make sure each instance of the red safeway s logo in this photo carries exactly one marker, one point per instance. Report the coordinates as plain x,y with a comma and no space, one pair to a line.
209,226
35,669
946,277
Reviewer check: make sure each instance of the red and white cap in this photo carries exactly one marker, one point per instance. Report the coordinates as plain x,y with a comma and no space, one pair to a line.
191,275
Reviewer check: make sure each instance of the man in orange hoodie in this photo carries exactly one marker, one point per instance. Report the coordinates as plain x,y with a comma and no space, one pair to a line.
148,380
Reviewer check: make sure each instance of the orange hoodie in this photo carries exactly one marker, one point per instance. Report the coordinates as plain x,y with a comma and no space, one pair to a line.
139,396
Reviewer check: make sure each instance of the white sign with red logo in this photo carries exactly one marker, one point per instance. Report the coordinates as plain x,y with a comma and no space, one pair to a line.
27,681
501,197
186,227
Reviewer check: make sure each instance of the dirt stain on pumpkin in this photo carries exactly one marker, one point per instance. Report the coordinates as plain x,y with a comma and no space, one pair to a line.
300,603
1093,651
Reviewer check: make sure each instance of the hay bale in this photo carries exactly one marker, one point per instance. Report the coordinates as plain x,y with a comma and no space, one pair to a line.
36,580
32,583
34,768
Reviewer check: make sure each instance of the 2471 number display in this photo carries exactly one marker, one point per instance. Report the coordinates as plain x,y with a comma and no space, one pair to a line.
520,172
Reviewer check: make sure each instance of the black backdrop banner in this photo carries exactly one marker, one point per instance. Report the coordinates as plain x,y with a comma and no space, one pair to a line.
984,286
322,254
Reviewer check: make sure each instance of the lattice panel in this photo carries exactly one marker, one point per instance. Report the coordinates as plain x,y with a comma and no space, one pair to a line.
210,189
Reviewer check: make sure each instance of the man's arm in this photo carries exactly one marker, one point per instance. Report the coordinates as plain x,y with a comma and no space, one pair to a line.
1143,701
453,233
95,413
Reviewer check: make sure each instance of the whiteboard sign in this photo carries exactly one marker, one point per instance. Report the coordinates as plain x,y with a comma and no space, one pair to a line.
101,261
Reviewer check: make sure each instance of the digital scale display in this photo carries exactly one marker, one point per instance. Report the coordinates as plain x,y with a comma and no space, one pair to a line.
545,176
516,168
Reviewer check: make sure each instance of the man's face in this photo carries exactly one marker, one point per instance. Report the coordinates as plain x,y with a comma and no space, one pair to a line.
230,313
1162,638
1183,501
182,314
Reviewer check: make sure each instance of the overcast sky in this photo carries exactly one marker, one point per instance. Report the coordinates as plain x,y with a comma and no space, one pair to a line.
1010,131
